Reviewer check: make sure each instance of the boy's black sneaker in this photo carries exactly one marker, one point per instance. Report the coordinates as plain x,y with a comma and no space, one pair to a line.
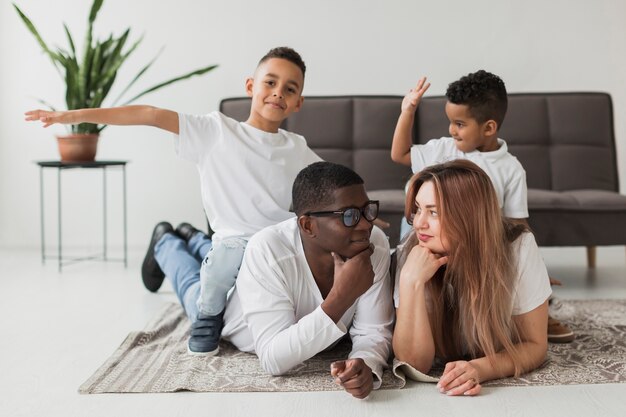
205,335
151,272
186,231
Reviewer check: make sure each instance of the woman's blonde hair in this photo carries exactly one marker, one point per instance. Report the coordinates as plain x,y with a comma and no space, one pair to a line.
472,294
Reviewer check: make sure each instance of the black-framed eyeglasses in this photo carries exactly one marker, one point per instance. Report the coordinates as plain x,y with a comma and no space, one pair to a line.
351,215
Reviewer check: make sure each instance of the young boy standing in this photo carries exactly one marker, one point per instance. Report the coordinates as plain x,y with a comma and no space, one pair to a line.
476,108
246,171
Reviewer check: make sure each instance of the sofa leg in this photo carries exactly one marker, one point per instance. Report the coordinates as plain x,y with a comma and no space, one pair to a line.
591,256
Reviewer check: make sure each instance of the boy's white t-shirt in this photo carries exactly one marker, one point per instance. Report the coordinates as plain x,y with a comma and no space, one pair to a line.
246,174
506,172
275,309
531,286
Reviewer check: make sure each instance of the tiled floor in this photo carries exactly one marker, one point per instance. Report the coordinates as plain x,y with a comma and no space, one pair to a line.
57,328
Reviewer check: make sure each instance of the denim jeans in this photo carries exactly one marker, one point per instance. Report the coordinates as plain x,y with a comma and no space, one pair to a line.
201,272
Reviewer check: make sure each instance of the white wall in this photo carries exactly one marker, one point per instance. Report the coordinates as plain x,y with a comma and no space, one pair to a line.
350,47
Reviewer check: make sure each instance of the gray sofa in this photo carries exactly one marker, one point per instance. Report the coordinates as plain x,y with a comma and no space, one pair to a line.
565,141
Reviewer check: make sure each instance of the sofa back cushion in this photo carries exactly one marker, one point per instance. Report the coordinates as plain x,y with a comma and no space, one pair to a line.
565,141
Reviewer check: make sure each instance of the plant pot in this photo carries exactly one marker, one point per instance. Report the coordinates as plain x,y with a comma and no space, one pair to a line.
78,147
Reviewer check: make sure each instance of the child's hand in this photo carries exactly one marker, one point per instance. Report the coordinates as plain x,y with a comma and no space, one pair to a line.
48,117
411,100
381,223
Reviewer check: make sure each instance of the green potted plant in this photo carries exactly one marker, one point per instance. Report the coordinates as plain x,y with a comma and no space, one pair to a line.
88,80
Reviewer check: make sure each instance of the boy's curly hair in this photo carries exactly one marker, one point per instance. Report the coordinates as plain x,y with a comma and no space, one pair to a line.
483,92
284,52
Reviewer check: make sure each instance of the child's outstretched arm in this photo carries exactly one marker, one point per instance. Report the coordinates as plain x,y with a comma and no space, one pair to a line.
127,115
401,145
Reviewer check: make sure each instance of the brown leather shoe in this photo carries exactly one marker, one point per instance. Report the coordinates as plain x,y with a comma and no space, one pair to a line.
559,332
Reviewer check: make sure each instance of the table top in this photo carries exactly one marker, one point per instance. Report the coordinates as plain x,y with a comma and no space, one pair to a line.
87,164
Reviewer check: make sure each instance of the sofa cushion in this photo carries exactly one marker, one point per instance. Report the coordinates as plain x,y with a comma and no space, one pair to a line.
546,199
576,200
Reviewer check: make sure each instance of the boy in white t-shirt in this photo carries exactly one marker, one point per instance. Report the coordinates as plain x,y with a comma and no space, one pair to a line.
246,171
476,108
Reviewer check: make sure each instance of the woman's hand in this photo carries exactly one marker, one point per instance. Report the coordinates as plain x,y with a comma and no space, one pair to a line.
420,266
459,378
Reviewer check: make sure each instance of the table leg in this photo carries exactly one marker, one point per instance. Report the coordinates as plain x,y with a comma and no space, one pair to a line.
41,220
124,203
104,212
60,216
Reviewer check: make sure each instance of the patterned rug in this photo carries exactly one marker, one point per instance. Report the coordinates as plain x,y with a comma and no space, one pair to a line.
596,356
156,359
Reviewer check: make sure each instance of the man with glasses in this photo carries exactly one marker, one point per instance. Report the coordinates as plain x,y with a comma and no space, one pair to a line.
307,282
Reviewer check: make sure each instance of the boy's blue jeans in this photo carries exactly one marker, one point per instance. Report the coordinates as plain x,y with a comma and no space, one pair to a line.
201,272
405,228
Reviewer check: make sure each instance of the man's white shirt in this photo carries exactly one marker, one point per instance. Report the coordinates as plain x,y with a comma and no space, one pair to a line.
275,309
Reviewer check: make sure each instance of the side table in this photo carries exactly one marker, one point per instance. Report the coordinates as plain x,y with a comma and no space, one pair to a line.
60,167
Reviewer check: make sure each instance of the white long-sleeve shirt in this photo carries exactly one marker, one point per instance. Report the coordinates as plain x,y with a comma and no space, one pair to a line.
275,309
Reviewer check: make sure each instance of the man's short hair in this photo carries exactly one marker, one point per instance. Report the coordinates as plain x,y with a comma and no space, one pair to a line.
484,93
314,186
284,52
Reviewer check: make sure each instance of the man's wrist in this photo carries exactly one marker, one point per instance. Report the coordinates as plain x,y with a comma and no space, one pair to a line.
334,308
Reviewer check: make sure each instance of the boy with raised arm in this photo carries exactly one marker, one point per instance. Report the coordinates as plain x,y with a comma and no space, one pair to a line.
246,170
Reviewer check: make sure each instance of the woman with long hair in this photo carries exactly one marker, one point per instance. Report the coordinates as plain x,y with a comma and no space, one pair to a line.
471,287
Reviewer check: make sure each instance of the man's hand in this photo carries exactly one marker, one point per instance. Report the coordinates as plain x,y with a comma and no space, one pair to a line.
412,100
352,278
354,376
49,117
